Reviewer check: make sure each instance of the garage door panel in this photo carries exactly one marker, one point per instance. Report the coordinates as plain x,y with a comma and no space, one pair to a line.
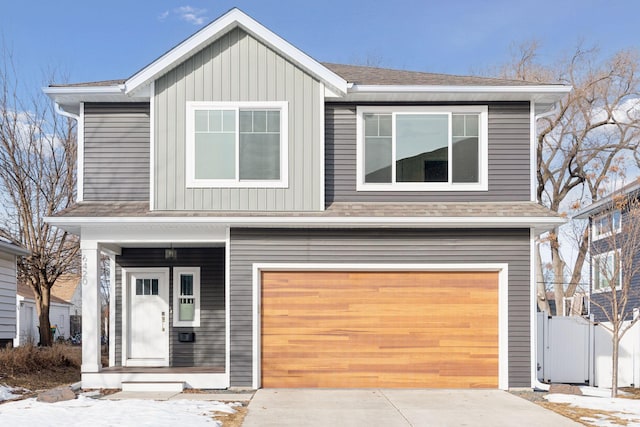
379,329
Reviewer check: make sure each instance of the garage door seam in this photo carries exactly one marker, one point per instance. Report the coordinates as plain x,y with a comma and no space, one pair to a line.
395,407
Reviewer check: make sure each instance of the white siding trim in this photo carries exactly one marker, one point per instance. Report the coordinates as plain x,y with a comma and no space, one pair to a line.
503,301
112,309
80,173
227,305
152,149
532,150
321,158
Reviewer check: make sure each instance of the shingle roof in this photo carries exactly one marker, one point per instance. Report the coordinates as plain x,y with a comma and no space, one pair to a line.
362,75
92,84
385,76
25,291
335,210
65,286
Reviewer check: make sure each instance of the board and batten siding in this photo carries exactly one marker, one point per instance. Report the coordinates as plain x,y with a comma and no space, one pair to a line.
209,346
116,152
7,296
380,246
508,150
238,67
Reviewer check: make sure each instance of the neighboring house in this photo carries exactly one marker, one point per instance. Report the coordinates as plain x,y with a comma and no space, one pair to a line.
611,238
28,325
274,221
8,258
67,288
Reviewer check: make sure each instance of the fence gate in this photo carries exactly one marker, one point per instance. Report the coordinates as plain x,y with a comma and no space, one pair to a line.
566,350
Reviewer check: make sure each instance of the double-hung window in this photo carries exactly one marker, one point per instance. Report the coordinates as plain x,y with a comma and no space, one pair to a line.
236,144
607,274
422,148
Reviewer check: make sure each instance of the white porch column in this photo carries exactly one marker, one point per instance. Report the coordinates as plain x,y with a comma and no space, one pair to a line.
112,309
91,306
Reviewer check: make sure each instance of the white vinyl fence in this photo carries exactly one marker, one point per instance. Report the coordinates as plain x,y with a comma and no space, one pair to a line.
575,350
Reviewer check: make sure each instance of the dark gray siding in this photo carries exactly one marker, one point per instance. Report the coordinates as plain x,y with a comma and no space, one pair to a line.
509,166
602,303
209,347
383,246
116,152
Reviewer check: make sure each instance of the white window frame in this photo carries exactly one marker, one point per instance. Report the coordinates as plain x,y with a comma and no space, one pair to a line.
177,272
594,228
596,265
483,151
193,182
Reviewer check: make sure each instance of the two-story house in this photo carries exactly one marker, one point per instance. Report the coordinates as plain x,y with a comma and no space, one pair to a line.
274,221
614,247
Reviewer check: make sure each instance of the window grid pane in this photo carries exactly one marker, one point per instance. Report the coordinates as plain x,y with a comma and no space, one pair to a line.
259,145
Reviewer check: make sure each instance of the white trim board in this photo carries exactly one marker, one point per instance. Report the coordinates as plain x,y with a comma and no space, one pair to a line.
503,301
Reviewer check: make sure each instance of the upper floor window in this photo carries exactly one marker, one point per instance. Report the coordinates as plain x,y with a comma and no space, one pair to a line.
607,273
606,224
236,144
422,148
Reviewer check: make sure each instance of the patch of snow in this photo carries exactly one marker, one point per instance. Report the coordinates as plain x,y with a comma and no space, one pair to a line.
599,391
626,409
7,393
85,411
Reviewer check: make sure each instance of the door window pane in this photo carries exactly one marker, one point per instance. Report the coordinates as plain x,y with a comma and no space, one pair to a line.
139,289
422,147
154,286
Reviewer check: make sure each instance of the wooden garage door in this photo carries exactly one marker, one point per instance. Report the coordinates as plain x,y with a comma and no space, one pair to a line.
380,329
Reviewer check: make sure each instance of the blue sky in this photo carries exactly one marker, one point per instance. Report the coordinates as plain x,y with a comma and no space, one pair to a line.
90,40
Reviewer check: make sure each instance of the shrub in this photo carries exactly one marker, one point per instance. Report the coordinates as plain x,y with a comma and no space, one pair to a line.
28,359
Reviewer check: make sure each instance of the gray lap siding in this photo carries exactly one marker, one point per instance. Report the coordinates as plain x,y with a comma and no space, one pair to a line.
379,246
209,346
509,165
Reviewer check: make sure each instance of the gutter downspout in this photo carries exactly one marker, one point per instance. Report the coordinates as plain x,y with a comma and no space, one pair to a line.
60,111
534,294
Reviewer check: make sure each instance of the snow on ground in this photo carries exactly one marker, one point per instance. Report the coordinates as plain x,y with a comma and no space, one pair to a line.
598,399
85,411
7,393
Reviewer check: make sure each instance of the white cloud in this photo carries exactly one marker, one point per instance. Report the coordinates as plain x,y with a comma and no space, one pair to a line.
191,14
163,16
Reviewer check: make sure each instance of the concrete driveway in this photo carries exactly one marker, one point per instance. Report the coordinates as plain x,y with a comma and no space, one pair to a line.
391,408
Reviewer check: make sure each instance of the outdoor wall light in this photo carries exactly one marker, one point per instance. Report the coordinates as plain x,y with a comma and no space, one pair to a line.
171,253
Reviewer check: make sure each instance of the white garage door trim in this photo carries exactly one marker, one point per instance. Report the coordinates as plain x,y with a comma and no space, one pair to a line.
503,301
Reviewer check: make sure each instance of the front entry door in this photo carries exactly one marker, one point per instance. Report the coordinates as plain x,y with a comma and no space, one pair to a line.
148,326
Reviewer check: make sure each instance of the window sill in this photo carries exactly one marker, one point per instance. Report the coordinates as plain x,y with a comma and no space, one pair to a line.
204,183
421,187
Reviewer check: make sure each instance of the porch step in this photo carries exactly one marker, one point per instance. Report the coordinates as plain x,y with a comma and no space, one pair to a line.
175,386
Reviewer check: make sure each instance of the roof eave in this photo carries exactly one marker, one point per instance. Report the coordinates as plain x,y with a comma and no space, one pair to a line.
75,224
538,93
13,249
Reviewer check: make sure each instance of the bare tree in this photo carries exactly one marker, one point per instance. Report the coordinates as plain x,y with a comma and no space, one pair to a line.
37,174
616,267
593,137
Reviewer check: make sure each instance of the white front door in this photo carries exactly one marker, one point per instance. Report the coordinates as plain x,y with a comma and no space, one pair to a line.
148,319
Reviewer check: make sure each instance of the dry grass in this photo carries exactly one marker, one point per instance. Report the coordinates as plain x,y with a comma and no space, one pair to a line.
232,420
38,368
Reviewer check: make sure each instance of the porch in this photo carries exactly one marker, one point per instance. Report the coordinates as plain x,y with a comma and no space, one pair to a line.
167,313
